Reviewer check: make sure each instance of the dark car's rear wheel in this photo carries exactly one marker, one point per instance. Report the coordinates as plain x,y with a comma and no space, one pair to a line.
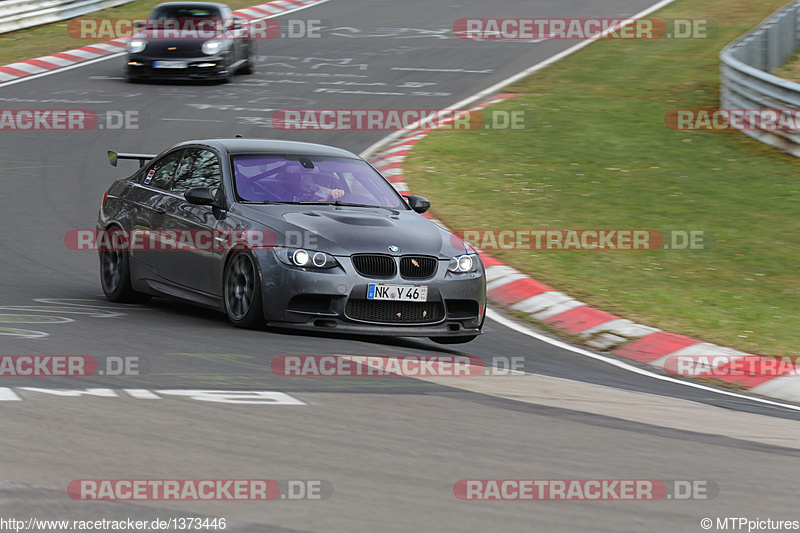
453,340
115,274
242,292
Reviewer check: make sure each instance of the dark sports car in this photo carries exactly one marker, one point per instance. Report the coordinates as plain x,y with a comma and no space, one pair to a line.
190,40
287,234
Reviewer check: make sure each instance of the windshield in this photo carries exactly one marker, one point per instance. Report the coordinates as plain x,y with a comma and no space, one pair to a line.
273,178
185,13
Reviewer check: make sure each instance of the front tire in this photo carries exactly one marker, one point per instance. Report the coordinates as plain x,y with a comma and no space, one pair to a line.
115,275
250,65
229,71
242,292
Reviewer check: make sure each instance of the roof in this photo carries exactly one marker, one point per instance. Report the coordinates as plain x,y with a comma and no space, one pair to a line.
197,4
271,146
217,5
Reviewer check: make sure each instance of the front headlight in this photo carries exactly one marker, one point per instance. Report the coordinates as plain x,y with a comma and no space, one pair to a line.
464,263
212,47
305,258
136,45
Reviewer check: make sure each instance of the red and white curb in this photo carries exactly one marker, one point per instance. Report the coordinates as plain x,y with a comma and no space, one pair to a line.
599,329
39,65
64,59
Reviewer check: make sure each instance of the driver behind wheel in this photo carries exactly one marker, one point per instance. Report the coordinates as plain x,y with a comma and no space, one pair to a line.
328,187
318,187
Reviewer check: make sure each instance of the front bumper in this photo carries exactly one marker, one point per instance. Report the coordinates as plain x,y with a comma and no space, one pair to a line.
335,301
451,329
198,68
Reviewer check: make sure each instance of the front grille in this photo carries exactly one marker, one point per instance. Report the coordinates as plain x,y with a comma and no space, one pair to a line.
375,266
394,312
418,267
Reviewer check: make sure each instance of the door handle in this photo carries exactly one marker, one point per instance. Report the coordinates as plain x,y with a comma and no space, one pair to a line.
160,210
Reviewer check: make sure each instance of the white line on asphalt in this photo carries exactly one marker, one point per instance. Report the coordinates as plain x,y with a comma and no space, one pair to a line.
191,119
521,328
508,81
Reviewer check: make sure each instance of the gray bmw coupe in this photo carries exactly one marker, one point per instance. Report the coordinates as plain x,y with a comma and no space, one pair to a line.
286,234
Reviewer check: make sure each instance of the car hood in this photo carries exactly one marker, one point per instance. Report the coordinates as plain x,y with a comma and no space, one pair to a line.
341,230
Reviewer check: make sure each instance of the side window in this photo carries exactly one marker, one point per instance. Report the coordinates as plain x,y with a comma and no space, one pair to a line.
199,168
160,173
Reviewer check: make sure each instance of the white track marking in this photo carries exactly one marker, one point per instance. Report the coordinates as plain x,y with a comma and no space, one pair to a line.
521,328
508,81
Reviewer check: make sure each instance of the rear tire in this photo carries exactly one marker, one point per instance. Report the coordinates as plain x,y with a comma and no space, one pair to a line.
115,275
242,292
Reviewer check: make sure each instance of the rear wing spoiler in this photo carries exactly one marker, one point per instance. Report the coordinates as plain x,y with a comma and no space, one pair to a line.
113,157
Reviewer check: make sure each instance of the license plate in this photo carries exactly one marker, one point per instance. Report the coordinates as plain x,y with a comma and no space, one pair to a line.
406,293
170,64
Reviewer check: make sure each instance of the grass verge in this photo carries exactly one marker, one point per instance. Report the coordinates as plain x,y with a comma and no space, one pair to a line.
600,156
791,69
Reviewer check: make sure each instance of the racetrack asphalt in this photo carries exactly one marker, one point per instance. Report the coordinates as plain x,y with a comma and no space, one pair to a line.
392,448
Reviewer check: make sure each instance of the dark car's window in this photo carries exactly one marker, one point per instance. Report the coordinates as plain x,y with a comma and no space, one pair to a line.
185,12
160,173
292,179
199,168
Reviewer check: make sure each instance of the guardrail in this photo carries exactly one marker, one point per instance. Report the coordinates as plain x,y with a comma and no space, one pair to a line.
19,14
745,79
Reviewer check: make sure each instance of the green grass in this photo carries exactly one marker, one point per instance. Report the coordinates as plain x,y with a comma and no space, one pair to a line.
791,69
54,38
600,156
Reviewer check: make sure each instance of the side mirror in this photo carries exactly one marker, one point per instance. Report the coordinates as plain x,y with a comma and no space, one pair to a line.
139,25
418,203
200,196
